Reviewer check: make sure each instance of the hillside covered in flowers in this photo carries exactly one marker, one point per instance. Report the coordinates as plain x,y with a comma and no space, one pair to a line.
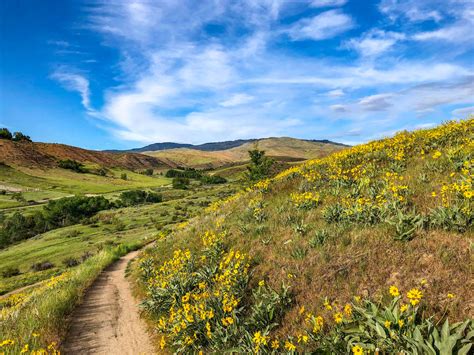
368,249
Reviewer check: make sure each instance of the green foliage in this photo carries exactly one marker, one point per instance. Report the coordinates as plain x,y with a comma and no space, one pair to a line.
180,183
260,165
20,137
10,271
319,238
73,165
148,172
137,197
454,218
5,134
57,213
124,176
388,329
213,179
406,224
188,173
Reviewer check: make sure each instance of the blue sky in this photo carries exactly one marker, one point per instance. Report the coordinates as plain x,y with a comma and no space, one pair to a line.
121,74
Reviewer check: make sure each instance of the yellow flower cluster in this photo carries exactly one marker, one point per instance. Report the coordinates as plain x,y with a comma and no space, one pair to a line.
208,305
305,199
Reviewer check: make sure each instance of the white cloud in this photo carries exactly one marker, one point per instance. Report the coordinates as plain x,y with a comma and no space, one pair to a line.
374,42
463,112
463,32
336,93
377,102
338,108
325,25
328,3
236,100
74,82
413,10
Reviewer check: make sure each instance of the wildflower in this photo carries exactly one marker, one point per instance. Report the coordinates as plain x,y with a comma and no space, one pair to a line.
451,295
318,324
162,343
403,308
7,342
357,350
338,317
401,323
437,154
415,296
357,299
261,283
35,335
327,305
208,330
289,346
433,194
394,291
25,349
275,344
302,338
301,311
387,324
348,309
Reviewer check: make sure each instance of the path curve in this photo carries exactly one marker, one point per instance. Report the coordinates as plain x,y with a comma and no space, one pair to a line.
108,322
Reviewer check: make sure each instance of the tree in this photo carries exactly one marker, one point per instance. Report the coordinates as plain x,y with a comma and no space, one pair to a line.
20,137
124,176
5,134
72,165
180,183
260,165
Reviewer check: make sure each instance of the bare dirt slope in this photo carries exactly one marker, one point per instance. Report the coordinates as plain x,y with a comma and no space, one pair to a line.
46,155
108,322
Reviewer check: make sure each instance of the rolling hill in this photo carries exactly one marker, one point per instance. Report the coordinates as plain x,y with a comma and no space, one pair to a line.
206,147
46,155
368,250
281,149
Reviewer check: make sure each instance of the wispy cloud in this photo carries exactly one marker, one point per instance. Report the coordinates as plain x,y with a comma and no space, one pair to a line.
200,71
325,25
74,82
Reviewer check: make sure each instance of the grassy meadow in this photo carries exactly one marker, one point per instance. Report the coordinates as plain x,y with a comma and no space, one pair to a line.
365,251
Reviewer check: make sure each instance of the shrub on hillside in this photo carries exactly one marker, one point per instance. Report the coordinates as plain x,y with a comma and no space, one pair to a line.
180,183
57,213
41,266
137,197
10,272
20,137
73,165
188,173
5,134
213,179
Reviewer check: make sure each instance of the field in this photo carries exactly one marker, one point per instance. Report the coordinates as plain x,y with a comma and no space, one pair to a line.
368,248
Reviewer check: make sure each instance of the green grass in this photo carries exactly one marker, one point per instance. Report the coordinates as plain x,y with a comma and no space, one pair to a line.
126,225
47,306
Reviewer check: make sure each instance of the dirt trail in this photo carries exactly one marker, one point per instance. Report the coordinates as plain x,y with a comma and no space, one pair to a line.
107,322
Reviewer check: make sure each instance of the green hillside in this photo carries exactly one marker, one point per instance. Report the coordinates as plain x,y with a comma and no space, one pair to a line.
350,253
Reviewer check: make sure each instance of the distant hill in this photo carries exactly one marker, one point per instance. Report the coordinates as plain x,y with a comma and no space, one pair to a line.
281,149
46,155
207,147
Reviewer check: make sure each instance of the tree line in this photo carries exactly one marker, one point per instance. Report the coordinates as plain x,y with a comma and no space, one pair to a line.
16,136
65,212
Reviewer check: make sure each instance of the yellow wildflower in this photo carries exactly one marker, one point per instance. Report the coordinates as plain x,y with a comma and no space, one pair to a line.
415,296
289,346
275,344
357,350
338,317
387,324
394,291
162,343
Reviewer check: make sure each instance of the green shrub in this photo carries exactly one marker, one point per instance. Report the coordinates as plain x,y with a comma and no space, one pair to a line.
72,165
180,183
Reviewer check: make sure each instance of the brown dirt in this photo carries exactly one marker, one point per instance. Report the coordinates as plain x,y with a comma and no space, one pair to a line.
108,320
46,155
